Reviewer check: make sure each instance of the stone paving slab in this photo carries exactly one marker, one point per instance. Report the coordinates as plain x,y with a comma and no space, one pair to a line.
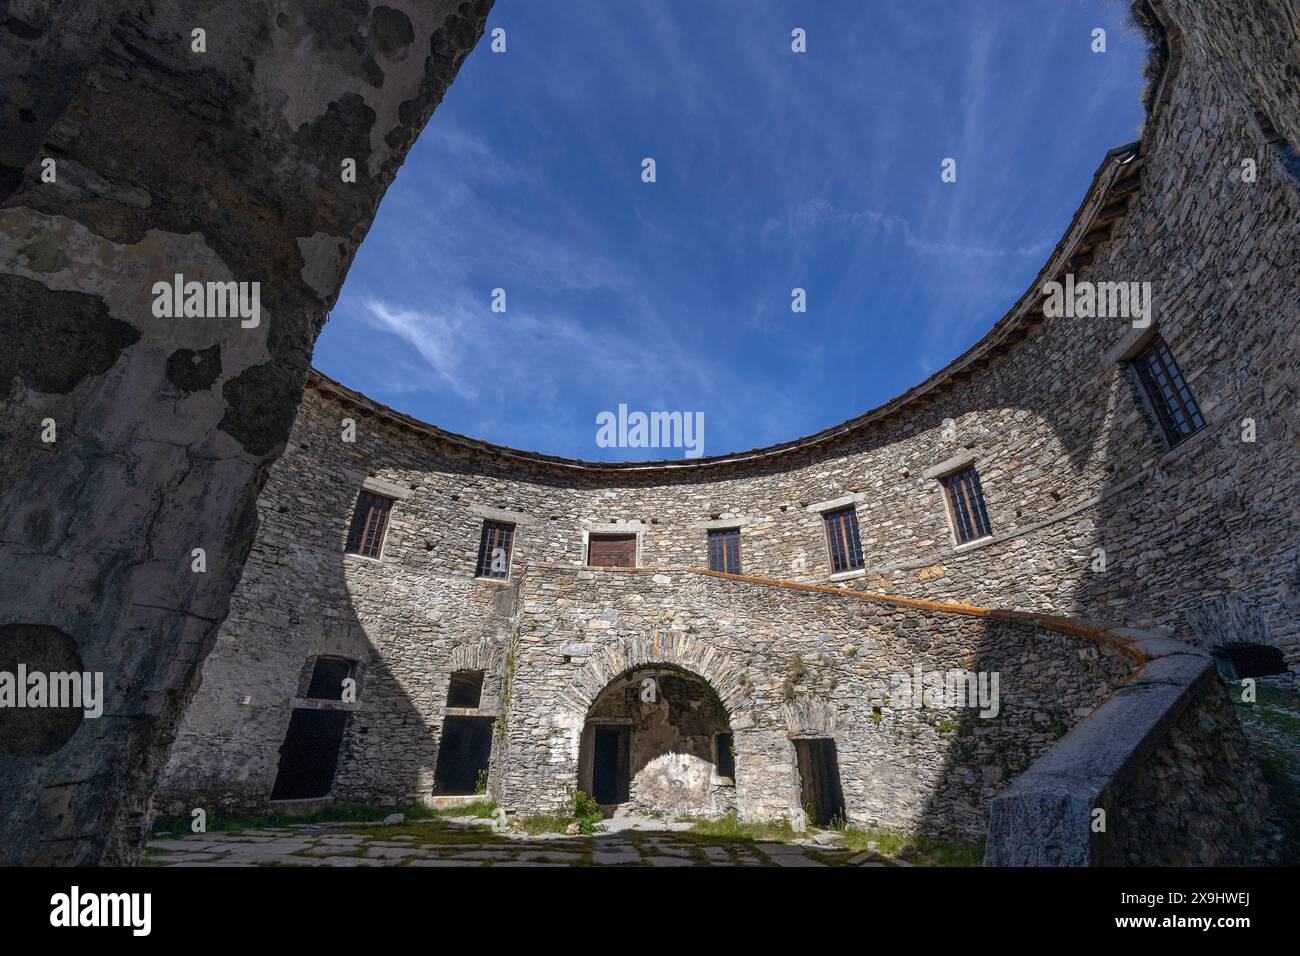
326,846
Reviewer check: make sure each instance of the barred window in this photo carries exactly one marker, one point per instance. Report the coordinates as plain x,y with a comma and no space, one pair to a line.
369,522
970,520
1175,408
494,550
724,550
842,539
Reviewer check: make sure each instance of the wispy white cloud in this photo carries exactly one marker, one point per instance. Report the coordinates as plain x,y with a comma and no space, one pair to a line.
812,214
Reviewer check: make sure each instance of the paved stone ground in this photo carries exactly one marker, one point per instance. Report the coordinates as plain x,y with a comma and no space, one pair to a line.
461,841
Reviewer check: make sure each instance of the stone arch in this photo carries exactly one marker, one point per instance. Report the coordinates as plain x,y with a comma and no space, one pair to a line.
487,656
1224,620
482,655
703,659
649,743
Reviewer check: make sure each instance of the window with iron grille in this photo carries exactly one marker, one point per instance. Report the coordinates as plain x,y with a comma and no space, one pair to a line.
842,539
970,520
1172,400
494,550
369,522
724,550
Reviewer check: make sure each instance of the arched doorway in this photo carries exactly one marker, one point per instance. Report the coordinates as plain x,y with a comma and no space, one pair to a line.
1239,660
657,739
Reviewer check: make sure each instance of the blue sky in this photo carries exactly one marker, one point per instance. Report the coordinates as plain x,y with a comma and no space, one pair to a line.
775,170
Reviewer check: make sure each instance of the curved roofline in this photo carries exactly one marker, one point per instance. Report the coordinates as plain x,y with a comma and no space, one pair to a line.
1113,187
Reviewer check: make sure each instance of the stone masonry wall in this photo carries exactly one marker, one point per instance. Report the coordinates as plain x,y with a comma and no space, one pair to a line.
792,662
1200,540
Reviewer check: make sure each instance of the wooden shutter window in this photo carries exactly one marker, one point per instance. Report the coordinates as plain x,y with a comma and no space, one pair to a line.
611,551
724,550
1176,409
970,519
842,539
494,550
369,522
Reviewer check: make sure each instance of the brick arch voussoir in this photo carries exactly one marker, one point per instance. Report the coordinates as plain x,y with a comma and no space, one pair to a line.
695,655
482,655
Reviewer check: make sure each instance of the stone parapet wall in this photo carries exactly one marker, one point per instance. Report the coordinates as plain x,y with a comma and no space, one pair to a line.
1159,775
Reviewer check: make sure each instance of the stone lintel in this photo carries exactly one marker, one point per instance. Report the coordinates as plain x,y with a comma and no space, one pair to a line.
834,503
613,527
388,489
1130,344
956,463
718,524
500,514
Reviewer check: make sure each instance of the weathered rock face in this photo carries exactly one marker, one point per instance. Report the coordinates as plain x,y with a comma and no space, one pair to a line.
135,150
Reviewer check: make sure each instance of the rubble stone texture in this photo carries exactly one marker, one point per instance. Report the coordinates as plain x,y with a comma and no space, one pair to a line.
1200,540
219,165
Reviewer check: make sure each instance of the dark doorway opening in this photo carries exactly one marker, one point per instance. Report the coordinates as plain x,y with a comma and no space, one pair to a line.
1249,660
463,756
725,744
611,772
309,756
819,781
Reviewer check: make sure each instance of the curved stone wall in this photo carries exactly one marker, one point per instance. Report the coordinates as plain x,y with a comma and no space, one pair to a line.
1070,459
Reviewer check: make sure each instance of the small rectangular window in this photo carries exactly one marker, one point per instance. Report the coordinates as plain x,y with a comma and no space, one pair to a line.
726,756
369,522
724,550
465,689
611,551
327,677
842,539
494,550
970,520
1175,408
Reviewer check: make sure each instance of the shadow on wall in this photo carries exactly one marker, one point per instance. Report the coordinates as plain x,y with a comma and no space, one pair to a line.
301,606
